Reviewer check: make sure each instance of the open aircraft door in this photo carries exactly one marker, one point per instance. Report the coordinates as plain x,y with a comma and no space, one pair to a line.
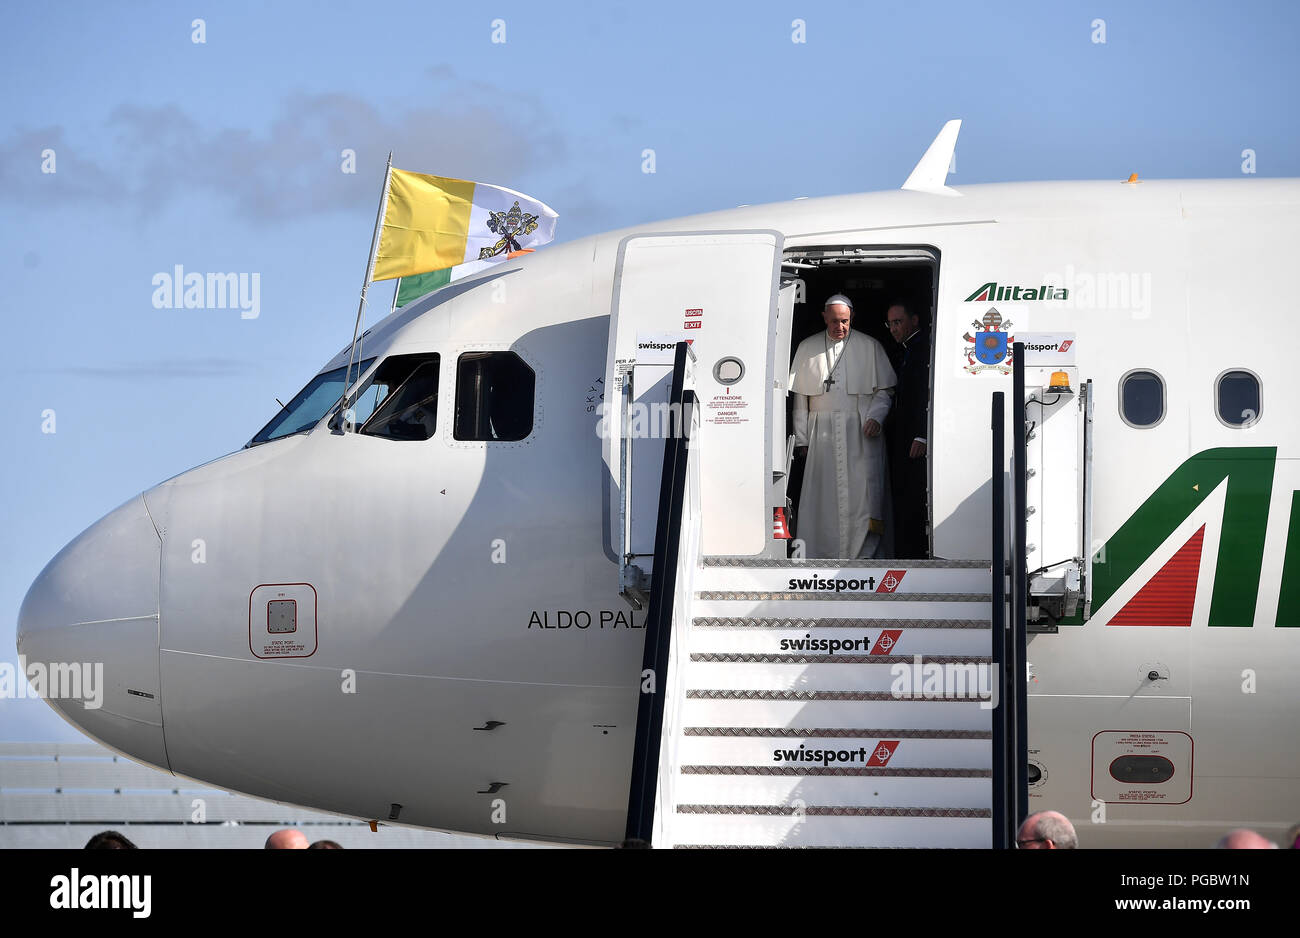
718,291
1058,458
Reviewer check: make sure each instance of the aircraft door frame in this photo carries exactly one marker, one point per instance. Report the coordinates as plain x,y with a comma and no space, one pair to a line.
782,443
710,288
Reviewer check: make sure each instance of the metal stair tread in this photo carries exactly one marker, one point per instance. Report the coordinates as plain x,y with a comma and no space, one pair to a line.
832,732
843,597
884,696
857,771
886,563
735,657
767,622
831,811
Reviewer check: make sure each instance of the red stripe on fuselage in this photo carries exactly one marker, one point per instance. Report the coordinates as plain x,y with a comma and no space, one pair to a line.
1169,596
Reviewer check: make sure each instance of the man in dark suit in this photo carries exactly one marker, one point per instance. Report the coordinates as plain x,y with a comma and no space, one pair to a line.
906,432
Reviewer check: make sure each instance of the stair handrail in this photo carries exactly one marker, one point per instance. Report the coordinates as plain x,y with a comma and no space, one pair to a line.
1010,611
659,613
1003,808
1018,671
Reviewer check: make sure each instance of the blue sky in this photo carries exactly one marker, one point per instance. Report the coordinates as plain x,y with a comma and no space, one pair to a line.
224,156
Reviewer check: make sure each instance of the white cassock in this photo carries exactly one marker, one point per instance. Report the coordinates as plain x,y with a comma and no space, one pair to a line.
842,500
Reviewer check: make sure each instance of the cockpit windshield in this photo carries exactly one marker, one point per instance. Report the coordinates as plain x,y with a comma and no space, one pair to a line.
310,404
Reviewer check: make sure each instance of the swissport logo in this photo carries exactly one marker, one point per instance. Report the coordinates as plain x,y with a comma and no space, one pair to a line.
883,752
890,581
875,757
818,582
887,642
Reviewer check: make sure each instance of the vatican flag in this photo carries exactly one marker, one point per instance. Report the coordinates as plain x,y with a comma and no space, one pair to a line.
412,288
431,223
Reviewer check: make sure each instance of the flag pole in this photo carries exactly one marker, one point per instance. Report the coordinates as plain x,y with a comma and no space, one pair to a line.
365,284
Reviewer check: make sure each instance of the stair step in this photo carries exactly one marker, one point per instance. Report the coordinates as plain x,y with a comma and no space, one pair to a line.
805,596
836,771
872,639
732,657
956,791
835,578
806,563
864,752
724,825
765,605
828,622
736,693
885,678
812,810
832,732
794,709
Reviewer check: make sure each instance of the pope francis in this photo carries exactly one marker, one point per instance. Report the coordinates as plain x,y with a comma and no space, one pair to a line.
843,387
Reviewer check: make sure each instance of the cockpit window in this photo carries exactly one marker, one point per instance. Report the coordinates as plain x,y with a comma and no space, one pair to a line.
309,405
401,401
494,397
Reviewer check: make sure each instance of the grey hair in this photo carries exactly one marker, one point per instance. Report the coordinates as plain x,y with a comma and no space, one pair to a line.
839,298
1058,830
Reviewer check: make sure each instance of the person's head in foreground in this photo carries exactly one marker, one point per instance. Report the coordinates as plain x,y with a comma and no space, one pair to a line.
288,839
1047,830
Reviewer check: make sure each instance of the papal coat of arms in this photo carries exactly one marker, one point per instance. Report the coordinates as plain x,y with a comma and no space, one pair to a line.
990,346
509,225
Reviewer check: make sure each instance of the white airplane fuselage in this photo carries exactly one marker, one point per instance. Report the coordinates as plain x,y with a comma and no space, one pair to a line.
441,584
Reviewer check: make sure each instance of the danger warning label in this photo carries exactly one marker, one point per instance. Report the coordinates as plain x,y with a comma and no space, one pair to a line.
726,409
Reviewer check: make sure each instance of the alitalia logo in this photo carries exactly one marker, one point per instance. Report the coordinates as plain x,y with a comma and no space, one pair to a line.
992,292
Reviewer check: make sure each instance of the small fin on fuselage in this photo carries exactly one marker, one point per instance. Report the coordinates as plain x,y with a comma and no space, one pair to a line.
931,173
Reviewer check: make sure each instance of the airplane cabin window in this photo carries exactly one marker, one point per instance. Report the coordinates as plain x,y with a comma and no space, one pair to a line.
401,401
494,397
1141,399
309,405
1237,397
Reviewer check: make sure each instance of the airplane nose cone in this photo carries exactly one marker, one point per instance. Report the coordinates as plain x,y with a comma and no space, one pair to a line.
88,633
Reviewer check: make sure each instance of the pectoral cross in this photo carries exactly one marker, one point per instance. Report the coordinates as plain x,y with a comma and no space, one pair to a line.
830,377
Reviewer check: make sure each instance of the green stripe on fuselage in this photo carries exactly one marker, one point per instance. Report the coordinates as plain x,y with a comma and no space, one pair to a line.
1288,600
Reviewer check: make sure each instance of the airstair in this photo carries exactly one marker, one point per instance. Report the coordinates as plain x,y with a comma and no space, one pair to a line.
813,703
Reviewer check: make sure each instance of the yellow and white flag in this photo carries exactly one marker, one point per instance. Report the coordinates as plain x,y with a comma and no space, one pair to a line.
433,222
